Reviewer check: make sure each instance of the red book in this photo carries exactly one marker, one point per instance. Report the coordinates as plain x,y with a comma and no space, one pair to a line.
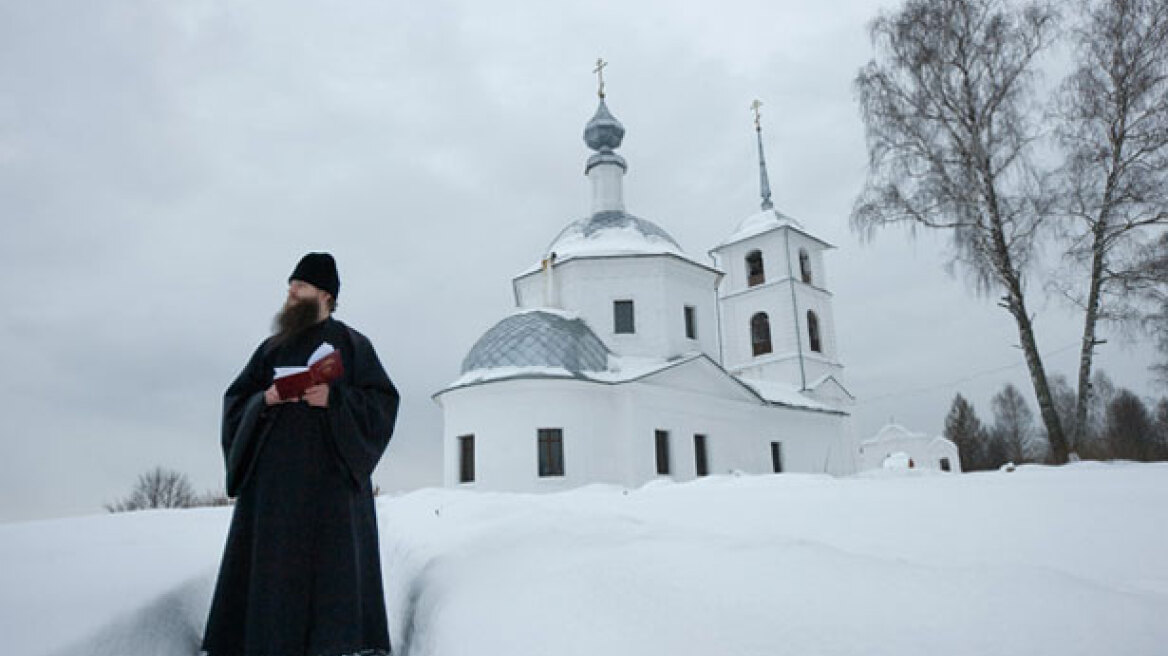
324,370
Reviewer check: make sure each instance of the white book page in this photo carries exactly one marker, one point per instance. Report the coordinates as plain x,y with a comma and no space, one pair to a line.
288,371
319,354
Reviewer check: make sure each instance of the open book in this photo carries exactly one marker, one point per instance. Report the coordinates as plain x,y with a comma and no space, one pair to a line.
324,366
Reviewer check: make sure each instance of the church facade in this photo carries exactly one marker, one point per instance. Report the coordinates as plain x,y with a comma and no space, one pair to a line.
628,360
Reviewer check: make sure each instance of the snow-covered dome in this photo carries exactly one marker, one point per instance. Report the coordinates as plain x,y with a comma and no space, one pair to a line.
613,232
758,223
539,338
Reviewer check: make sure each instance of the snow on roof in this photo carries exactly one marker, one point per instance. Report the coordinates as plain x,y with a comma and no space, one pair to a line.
783,394
896,432
621,369
765,221
626,369
612,233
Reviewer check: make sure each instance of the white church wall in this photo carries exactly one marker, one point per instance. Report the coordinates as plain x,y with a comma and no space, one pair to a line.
815,249
738,434
732,260
775,300
609,432
660,287
505,416
819,302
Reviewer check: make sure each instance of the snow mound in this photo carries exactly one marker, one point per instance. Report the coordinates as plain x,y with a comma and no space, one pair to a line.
1042,560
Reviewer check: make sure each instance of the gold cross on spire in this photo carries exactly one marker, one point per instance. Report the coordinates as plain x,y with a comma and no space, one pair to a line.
599,70
756,105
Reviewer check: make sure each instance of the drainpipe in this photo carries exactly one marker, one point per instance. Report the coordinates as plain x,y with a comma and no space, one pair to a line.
718,314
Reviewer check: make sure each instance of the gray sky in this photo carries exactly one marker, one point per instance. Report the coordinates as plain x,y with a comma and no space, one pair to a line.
164,165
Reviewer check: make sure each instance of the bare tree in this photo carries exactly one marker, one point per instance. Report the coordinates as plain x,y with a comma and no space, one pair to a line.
1064,403
947,109
1148,282
157,488
1113,185
1160,417
1093,444
1013,424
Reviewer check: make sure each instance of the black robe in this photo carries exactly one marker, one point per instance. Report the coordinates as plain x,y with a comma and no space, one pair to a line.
301,572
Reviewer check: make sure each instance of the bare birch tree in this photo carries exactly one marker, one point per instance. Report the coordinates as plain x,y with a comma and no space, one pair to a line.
1114,183
947,105
1013,425
1148,281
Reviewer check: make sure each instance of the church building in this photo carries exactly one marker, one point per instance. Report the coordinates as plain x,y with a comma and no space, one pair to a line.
628,359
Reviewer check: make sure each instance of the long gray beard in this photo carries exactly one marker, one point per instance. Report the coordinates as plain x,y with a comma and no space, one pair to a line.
294,319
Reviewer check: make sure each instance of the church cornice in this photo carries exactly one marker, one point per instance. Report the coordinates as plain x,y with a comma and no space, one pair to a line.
666,366
775,283
778,358
781,226
624,256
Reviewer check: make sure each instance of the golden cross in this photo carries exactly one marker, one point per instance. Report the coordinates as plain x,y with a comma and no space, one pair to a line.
599,70
756,105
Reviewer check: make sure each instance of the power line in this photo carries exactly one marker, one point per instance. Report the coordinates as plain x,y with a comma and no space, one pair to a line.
965,379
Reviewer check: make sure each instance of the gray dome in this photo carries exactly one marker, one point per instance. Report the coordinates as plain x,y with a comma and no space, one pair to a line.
603,132
538,339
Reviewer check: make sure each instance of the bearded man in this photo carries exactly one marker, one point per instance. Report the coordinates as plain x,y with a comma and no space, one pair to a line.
301,572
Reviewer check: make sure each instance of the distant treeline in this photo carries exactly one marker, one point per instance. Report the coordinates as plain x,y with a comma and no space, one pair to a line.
1119,425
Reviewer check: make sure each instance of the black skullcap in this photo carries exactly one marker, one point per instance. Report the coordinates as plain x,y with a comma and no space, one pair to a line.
320,271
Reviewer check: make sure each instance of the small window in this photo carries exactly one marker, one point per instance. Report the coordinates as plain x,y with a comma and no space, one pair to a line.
754,269
466,470
777,457
622,317
701,462
945,464
805,266
662,438
813,332
760,334
691,324
551,452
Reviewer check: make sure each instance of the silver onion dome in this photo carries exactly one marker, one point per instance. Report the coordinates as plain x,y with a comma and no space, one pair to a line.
603,132
536,338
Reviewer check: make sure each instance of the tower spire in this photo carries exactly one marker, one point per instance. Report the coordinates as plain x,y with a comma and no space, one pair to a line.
764,182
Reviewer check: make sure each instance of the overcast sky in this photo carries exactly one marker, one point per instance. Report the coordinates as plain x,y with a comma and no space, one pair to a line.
164,165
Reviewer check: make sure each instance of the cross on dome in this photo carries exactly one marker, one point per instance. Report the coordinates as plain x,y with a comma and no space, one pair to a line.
599,70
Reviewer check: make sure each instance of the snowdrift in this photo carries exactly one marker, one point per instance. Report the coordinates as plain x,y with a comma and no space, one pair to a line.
1068,560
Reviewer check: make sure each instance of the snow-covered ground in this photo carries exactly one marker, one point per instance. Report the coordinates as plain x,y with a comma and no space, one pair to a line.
1070,560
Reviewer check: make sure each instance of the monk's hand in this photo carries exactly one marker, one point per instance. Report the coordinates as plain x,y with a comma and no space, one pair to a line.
317,395
272,397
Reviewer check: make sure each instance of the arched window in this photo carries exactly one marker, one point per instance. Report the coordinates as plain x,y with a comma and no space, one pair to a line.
754,270
813,332
760,334
805,265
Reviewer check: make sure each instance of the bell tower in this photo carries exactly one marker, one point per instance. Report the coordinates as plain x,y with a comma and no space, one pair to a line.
774,304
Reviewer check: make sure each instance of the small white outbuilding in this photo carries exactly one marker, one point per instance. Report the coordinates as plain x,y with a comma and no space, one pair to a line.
896,447
626,359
